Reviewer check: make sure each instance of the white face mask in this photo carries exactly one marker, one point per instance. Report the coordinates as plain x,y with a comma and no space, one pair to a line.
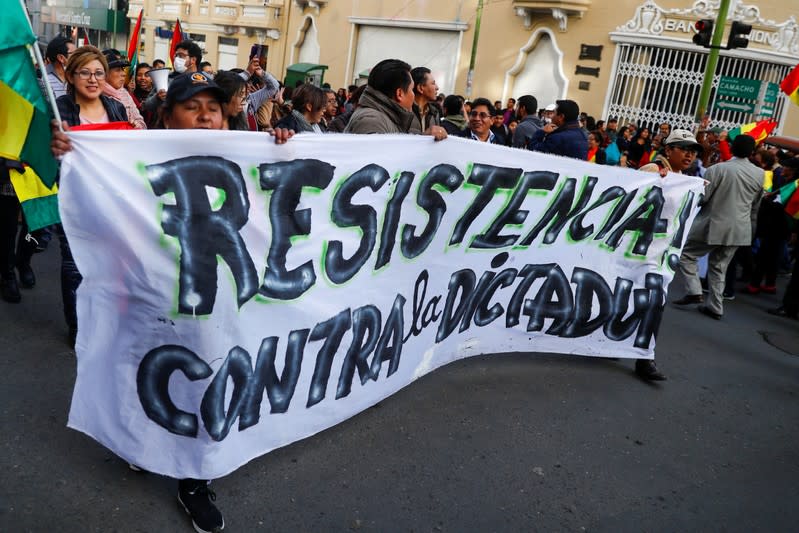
180,65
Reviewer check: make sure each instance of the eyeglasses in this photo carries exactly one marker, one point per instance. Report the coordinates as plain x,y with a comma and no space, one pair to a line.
479,114
86,74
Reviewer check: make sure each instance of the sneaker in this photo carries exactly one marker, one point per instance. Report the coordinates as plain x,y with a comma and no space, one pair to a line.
9,290
198,500
728,295
751,289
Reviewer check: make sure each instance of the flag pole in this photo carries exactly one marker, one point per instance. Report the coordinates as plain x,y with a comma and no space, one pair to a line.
40,61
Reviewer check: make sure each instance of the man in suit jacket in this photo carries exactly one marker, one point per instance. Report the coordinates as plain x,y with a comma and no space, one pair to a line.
726,221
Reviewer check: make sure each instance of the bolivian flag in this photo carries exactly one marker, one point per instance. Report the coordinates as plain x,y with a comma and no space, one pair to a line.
790,85
25,122
758,130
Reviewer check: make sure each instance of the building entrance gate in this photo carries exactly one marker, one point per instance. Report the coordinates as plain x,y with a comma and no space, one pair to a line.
654,84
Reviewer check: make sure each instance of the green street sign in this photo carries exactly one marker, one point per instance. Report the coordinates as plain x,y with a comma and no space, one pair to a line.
738,87
772,90
743,107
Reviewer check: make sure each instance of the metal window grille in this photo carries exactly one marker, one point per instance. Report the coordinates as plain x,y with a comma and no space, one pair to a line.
655,84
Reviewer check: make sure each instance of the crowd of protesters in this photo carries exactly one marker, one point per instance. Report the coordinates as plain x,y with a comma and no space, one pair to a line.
94,87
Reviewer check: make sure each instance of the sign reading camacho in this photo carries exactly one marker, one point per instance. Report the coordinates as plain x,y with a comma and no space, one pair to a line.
239,296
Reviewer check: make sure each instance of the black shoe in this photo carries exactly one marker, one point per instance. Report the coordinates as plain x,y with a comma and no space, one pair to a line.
728,295
780,311
647,370
26,276
9,290
689,299
707,312
198,501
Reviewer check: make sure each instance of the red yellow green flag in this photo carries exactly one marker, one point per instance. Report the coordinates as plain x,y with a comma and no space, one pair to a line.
789,198
133,46
758,130
25,122
790,85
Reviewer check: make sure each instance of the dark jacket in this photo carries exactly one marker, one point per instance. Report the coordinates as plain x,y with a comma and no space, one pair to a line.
377,113
70,110
453,128
340,121
525,131
433,116
293,122
569,140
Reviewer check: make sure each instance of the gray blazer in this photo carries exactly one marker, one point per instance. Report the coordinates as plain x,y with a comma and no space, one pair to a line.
729,208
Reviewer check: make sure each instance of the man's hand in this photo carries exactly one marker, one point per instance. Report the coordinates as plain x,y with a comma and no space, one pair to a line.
254,65
161,95
437,132
282,135
549,128
60,143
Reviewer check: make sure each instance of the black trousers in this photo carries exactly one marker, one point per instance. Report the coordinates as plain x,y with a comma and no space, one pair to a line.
15,249
790,302
70,279
766,261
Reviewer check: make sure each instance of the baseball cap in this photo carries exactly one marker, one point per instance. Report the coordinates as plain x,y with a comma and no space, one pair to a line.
683,139
187,85
115,59
551,107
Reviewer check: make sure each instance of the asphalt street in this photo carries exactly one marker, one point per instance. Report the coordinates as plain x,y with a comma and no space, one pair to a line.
506,442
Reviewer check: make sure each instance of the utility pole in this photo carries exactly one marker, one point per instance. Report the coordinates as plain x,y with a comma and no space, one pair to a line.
712,59
470,76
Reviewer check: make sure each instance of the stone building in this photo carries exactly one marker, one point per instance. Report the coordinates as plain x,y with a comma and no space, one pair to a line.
633,59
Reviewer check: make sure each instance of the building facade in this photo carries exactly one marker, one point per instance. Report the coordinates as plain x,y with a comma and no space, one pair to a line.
632,59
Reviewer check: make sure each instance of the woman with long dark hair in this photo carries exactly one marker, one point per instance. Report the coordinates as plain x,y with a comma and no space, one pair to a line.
235,110
640,148
308,102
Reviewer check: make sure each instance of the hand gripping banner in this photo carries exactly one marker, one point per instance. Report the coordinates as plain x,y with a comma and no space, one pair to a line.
239,296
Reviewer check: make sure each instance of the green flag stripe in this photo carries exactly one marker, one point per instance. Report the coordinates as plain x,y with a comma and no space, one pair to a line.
16,71
41,212
15,29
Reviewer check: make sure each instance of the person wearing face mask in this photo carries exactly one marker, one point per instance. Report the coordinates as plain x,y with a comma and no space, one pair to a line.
57,54
188,56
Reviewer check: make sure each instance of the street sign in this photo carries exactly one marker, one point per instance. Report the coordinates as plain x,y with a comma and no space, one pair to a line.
772,90
743,107
738,87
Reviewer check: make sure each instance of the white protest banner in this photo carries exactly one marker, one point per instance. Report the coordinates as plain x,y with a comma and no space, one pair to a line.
239,296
